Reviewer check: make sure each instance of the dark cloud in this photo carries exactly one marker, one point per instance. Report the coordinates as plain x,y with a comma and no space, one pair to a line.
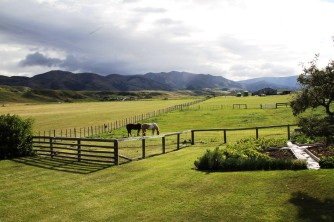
138,36
37,59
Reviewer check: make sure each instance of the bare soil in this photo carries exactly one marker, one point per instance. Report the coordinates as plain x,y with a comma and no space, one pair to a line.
282,154
321,151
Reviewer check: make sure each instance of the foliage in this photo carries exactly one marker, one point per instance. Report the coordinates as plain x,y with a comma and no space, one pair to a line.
246,155
302,139
15,136
317,91
327,162
317,128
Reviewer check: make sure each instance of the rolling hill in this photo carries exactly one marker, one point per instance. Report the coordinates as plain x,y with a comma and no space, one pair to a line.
166,81
287,83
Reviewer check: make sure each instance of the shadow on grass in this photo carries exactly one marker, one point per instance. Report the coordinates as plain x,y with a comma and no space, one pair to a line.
64,165
312,209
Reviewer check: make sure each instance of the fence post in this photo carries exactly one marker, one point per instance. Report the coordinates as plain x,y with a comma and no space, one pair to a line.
224,136
79,149
163,145
288,132
51,148
143,148
116,152
178,142
257,132
192,137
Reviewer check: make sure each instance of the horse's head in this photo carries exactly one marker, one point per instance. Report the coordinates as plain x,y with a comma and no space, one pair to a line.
157,128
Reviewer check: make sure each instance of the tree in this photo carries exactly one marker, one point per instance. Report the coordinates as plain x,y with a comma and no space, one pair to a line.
317,91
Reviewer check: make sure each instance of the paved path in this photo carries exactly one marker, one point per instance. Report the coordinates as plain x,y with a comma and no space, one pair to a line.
300,153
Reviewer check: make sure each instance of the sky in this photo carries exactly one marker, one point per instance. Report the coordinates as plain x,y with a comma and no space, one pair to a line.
236,39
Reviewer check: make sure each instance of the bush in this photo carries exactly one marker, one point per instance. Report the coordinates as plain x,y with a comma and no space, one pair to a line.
15,136
317,126
246,155
327,162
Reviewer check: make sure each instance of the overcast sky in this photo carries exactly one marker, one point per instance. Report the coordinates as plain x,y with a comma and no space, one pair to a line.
236,39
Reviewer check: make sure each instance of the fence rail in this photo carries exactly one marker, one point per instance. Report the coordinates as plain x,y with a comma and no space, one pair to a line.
114,151
256,133
98,150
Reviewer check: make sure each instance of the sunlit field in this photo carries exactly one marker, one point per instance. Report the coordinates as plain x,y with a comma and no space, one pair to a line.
164,187
75,115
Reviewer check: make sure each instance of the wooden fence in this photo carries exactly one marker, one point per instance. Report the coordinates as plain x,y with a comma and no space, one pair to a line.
80,149
99,150
256,131
116,151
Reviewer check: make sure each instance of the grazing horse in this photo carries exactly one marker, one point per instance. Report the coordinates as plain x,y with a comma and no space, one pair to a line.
131,126
150,126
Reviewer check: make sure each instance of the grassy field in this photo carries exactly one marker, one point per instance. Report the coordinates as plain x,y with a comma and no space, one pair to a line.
75,115
218,112
167,187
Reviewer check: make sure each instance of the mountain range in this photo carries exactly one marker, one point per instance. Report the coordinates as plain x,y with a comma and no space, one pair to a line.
168,81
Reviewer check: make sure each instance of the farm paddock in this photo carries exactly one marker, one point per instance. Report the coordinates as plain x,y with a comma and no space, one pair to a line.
167,187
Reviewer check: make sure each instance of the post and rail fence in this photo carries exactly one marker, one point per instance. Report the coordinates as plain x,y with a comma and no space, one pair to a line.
112,151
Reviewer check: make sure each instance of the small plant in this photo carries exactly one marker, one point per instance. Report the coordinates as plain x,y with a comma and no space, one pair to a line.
327,162
15,136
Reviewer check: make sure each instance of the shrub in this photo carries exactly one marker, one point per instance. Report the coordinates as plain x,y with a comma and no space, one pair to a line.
327,162
15,136
246,155
211,160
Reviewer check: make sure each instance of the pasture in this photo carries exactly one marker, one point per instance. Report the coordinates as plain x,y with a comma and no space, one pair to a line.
167,187
75,115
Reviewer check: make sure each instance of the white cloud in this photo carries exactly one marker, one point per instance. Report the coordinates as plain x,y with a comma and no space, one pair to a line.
237,39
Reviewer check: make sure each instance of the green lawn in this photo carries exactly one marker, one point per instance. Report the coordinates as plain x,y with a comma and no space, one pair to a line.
167,187
161,188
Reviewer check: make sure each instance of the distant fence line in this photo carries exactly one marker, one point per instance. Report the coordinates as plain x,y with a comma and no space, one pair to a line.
110,151
108,127
256,131
241,106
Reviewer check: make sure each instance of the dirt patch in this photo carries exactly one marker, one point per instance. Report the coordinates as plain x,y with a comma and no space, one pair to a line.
321,151
282,154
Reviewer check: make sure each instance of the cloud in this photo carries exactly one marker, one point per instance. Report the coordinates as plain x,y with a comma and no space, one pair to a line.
150,10
237,39
37,59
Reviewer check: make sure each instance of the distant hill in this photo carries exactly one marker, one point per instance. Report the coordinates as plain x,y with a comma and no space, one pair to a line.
166,81
288,83
190,81
61,80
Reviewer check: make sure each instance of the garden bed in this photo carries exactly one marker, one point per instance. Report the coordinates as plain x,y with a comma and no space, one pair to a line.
320,150
281,154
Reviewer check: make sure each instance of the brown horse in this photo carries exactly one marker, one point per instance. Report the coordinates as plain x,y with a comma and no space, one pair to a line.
131,126
150,126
